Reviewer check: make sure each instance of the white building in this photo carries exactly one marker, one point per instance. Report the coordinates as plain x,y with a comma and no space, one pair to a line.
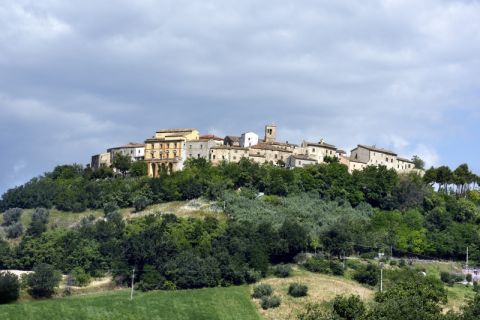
248,139
136,151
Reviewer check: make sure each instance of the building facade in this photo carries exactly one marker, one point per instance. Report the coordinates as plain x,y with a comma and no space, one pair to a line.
227,153
299,161
101,160
136,151
248,139
200,148
319,150
166,152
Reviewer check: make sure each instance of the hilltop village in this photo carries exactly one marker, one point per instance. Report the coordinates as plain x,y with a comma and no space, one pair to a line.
168,149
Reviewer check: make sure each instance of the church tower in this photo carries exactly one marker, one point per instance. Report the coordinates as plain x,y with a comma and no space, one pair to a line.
270,133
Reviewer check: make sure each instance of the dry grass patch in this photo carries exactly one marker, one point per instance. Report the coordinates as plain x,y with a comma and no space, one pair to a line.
321,288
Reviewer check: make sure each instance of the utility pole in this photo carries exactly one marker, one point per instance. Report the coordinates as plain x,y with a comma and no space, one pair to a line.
133,279
381,277
466,266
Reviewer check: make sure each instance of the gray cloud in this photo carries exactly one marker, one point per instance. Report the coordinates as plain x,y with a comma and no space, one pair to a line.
77,78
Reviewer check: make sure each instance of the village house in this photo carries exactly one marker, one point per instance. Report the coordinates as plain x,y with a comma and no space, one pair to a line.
136,151
101,160
248,139
232,141
166,152
227,153
363,156
319,150
270,153
200,148
299,161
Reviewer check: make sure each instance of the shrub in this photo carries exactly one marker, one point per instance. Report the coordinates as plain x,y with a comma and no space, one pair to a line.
262,290
367,275
318,265
354,264
393,263
11,216
14,231
402,263
269,302
282,270
140,203
369,255
81,278
43,281
337,268
446,278
297,290
252,276
9,287
110,207
41,215
349,307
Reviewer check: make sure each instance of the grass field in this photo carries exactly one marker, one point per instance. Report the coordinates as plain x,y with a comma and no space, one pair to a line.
203,304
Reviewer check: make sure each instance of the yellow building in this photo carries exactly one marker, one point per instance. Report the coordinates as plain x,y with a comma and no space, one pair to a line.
166,152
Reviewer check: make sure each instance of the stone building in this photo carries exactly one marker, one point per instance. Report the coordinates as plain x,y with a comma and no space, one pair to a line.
270,153
167,151
404,165
319,150
227,153
299,161
232,141
101,160
363,156
270,133
200,148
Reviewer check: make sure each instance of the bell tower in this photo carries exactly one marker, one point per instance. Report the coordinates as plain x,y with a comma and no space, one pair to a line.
270,133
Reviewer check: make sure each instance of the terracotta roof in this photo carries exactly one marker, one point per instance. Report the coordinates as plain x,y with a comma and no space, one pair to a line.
321,144
264,146
404,160
229,147
302,157
210,137
374,148
275,143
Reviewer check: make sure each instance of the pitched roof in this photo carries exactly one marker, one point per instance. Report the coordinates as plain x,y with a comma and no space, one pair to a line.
321,144
210,137
233,138
374,148
404,160
302,157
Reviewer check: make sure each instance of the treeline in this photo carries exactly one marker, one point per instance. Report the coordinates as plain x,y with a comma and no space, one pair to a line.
73,188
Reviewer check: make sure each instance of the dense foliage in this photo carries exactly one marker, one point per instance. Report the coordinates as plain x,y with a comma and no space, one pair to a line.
9,287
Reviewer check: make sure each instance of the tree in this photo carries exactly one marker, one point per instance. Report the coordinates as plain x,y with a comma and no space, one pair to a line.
122,163
43,281
418,162
38,225
138,168
14,231
444,177
9,287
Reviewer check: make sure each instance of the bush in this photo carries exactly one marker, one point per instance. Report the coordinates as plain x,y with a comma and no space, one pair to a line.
337,268
9,287
367,275
318,265
80,277
262,290
11,216
369,255
282,270
269,302
446,278
393,263
43,281
41,215
402,263
349,308
297,290
14,231
140,203
252,276
110,207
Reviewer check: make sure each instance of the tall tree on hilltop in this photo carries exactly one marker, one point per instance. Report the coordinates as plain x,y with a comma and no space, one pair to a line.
122,163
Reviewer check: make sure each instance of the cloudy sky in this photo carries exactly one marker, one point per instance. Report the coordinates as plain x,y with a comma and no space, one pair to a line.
77,77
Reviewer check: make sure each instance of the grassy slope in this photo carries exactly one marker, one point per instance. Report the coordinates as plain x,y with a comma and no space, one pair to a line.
216,303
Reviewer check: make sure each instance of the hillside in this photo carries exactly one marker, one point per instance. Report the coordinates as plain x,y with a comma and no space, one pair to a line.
201,304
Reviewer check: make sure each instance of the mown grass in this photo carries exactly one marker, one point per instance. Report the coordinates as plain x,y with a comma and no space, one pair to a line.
202,304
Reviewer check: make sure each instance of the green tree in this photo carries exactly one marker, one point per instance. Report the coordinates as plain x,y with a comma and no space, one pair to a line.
43,281
122,163
418,162
349,308
9,287
138,168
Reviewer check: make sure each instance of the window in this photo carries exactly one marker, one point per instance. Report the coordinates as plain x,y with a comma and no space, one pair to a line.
198,156
201,146
223,157
387,159
234,158
190,146
190,155
213,157
313,149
